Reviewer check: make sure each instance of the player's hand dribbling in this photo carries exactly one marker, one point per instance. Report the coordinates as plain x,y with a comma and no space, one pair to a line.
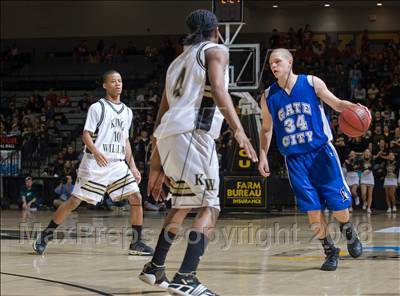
245,144
263,166
366,110
100,159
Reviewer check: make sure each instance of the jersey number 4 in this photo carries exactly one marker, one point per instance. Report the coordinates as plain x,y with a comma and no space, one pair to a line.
178,87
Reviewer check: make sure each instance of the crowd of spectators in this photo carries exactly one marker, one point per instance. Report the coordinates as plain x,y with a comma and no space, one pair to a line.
37,126
112,54
368,76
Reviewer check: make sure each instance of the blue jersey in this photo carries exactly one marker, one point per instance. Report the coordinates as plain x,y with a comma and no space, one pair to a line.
299,119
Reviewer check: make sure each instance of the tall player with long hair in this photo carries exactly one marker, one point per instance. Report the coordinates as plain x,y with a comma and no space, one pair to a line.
107,165
193,106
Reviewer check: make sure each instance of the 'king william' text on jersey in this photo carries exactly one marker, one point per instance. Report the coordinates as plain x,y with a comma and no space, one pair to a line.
299,119
188,92
110,124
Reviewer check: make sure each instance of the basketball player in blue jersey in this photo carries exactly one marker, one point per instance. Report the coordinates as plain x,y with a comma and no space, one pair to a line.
194,103
293,108
107,165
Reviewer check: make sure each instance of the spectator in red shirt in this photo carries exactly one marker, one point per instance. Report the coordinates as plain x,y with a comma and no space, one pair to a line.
51,97
63,100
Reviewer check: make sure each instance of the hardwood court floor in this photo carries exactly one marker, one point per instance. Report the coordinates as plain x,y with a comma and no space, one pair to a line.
244,258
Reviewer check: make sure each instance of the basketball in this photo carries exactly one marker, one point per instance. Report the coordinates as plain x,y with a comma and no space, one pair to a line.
354,121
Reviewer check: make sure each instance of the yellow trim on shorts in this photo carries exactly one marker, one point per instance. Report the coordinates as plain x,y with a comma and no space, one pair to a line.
125,195
181,191
180,188
122,182
92,188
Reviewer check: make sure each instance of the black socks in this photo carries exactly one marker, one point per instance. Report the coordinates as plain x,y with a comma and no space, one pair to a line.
136,233
195,249
164,242
48,233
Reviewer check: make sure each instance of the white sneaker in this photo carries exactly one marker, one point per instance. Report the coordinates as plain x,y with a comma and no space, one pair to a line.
364,206
357,200
369,211
394,209
389,210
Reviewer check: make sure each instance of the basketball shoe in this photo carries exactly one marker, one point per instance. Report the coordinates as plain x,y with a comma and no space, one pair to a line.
40,244
187,284
354,246
139,248
331,259
154,275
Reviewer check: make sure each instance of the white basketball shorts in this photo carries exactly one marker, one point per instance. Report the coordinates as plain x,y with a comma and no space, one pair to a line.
190,161
94,181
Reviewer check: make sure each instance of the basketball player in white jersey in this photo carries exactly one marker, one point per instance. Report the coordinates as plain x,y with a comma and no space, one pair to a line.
107,165
194,103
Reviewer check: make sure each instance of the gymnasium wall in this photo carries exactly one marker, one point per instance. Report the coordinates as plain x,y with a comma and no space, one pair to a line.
49,19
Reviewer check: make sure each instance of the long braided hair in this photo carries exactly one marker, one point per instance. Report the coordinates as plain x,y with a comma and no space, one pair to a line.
201,24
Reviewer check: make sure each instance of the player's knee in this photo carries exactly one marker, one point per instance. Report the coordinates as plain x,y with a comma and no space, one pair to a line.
74,202
317,227
206,219
214,213
314,216
135,199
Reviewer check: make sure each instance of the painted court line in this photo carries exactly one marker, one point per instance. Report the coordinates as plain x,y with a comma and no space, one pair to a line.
389,230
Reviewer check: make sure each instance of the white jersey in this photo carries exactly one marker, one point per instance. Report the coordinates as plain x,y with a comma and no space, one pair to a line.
110,124
189,95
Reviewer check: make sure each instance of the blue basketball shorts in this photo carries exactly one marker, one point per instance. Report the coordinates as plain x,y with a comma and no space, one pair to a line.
317,180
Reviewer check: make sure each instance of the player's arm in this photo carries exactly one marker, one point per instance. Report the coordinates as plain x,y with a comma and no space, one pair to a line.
216,61
265,138
155,161
328,97
92,120
156,175
88,141
131,162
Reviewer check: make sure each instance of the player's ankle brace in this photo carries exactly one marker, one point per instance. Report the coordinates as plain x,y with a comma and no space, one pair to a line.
327,243
195,249
164,242
348,229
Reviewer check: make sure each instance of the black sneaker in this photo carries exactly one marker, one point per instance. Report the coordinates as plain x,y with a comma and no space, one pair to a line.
140,249
40,244
331,259
187,284
354,246
154,275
